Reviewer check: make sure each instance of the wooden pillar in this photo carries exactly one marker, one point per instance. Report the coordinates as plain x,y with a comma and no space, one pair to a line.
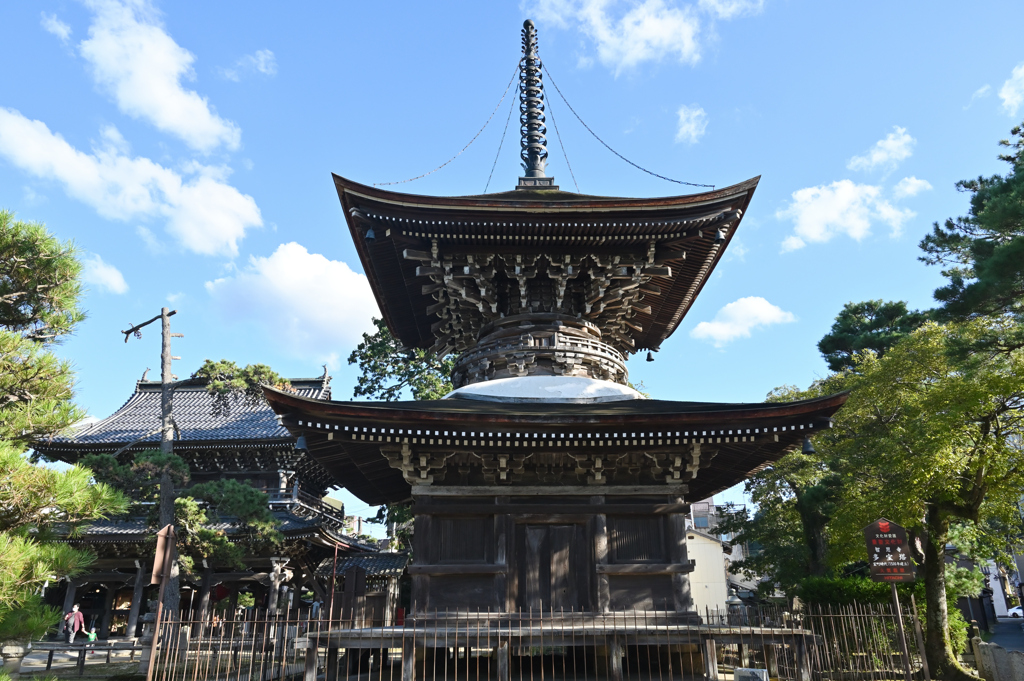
502,531
312,652
204,595
69,597
409,661
803,660
683,600
615,659
771,661
710,653
421,540
504,673
601,556
133,613
108,611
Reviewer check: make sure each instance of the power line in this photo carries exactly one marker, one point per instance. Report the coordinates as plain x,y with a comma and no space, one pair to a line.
669,179
507,120
381,184
562,145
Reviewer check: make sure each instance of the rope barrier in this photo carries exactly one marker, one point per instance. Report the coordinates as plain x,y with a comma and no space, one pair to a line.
669,179
382,184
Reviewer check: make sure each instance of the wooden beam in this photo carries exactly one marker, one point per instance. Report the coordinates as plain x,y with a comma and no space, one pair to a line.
467,569
644,568
549,509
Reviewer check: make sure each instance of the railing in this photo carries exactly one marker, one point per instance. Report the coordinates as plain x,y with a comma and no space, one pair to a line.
822,643
297,499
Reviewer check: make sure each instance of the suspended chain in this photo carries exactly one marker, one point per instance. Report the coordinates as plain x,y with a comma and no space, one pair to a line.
503,132
669,179
562,145
511,80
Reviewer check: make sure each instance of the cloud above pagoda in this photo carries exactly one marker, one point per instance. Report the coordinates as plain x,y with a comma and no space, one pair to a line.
627,34
739,318
203,213
306,304
135,61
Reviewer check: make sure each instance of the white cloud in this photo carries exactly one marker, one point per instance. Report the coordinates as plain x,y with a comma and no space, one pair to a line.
51,24
843,207
730,9
142,67
309,305
651,30
1012,92
261,61
693,122
887,153
739,318
202,212
103,275
910,186
174,298
978,94
627,33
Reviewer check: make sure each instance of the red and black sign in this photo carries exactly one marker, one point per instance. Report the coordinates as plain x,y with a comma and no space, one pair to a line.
888,552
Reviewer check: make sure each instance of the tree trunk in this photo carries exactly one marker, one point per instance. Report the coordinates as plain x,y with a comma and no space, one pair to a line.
941,659
172,595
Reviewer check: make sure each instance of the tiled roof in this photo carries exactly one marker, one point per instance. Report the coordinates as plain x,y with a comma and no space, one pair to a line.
373,563
132,529
193,412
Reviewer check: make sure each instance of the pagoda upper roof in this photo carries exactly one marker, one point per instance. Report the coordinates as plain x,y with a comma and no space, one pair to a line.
673,242
348,438
139,418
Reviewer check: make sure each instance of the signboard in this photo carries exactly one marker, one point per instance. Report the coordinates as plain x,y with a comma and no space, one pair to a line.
888,552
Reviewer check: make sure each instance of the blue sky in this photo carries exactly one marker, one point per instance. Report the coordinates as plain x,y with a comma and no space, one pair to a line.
187,149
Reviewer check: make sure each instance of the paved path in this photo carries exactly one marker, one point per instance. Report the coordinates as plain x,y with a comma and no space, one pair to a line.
1009,634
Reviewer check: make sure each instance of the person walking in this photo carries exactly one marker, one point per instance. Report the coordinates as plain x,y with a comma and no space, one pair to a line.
74,622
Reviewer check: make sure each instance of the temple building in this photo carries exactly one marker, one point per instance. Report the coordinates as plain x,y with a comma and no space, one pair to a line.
543,481
246,444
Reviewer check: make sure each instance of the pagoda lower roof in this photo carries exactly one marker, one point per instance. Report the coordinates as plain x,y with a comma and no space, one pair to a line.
673,243
347,438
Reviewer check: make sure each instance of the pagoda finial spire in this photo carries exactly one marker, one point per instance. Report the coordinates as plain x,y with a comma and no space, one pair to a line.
531,115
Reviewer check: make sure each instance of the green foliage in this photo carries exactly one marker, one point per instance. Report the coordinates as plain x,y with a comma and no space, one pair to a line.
39,291
232,385
39,285
33,619
198,541
247,599
983,252
246,507
387,369
401,516
34,501
140,476
849,590
874,325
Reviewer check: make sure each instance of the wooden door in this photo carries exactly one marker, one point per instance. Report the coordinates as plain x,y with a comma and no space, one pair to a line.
553,568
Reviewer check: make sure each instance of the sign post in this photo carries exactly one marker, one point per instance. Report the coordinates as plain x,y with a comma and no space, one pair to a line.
890,562
161,571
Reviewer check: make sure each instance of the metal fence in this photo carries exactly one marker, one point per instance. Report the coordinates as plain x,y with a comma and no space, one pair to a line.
847,643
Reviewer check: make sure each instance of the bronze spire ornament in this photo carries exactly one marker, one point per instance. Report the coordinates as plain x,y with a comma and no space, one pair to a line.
534,152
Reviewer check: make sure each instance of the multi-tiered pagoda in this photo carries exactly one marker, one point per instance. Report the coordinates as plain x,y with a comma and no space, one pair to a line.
543,481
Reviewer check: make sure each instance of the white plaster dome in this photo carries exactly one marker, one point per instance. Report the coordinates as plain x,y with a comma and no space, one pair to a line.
573,389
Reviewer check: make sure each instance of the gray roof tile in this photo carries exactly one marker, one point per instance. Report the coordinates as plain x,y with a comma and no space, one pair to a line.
193,412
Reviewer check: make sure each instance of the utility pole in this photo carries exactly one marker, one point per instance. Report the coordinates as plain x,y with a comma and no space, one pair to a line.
171,595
